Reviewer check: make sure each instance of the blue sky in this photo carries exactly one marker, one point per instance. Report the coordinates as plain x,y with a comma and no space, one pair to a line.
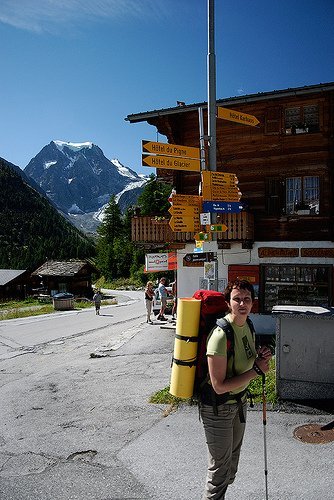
74,69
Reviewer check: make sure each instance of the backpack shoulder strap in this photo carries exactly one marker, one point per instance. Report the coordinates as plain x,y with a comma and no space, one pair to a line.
228,329
251,327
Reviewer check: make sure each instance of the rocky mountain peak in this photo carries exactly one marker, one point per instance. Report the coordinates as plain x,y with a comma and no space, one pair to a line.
79,178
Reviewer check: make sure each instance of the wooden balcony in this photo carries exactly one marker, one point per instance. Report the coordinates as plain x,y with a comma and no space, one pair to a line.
148,231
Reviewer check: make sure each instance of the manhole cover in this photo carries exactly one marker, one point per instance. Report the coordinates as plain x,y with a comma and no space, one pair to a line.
315,433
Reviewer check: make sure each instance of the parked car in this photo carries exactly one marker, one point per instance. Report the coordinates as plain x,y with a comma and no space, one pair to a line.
157,302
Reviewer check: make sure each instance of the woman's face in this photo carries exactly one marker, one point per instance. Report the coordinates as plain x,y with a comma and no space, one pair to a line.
240,304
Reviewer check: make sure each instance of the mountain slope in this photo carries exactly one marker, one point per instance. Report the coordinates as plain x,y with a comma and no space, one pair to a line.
31,229
78,178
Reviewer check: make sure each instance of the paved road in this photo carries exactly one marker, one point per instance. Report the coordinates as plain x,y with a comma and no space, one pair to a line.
20,335
81,428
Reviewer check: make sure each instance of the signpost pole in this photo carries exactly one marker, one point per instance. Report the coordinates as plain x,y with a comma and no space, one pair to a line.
211,86
212,104
201,138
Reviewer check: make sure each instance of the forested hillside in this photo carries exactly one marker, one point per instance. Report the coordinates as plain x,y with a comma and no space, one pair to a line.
31,230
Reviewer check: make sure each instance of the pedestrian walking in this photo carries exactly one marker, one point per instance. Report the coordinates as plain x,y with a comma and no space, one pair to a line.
174,293
224,419
97,298
163,298
149,294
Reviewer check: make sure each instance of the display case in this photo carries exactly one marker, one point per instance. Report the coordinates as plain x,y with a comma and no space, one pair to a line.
295,285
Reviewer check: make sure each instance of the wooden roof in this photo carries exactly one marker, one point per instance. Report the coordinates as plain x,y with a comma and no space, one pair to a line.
260,96
63,268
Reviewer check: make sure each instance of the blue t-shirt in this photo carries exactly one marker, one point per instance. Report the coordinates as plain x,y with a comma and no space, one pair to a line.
162,291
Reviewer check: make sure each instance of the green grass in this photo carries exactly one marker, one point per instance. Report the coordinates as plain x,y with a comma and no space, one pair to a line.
32,307
164,397
15,304
19,313
119,283
255,386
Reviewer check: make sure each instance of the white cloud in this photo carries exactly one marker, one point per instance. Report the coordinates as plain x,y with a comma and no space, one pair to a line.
48,15
241,90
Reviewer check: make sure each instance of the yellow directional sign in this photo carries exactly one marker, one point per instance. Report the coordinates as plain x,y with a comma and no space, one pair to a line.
225,179
171,163
221,186
186,199
160,148
184,224
184,211
222,190
215,194
237,116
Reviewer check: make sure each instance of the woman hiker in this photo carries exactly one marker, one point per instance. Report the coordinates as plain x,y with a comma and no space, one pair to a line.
224,423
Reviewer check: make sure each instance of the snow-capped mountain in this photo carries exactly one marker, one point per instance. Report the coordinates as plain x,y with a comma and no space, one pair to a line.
80,180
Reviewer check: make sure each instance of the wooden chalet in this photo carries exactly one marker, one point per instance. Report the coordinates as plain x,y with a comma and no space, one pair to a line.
72,276
14,284
283,240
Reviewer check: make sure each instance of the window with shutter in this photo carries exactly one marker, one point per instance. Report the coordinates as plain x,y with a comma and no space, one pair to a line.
273,120
274,200
311,117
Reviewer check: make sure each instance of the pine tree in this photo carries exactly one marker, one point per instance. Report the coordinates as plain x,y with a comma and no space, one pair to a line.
154,198
31,229
110,252
112,225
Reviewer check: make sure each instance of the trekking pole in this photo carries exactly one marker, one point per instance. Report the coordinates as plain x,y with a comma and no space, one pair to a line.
264,421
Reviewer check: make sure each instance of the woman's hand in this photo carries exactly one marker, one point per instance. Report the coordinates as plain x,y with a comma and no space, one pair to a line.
263,358
264,352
